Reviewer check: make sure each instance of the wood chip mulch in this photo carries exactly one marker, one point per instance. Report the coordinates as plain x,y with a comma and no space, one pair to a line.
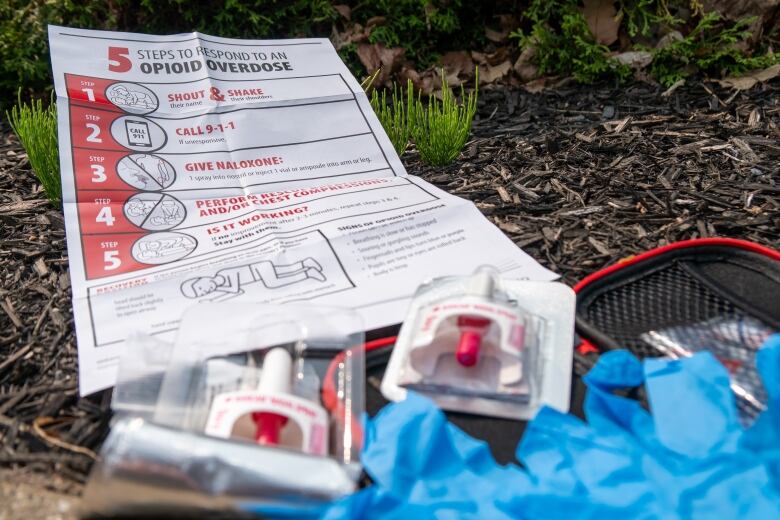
581,177
578,176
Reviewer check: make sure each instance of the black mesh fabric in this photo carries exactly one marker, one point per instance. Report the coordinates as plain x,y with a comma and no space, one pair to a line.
667,297
667,311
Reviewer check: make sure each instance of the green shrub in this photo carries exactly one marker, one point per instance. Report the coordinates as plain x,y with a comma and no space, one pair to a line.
232,18
711,47
426,28
564,44
36,128
24,50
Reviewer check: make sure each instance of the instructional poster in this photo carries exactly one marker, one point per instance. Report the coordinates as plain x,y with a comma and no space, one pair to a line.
198,168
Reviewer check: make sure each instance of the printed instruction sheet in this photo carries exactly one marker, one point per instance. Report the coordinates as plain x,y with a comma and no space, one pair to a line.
198,168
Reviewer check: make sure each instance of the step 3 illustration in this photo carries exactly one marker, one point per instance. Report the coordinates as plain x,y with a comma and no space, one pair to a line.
146,172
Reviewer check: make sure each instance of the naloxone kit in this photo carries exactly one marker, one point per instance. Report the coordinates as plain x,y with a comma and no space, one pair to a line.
258,414
486,345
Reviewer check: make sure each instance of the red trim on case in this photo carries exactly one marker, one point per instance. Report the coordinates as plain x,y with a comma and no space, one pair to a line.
631,260
586,347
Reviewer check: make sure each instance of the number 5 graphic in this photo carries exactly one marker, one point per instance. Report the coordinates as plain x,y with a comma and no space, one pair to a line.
118,59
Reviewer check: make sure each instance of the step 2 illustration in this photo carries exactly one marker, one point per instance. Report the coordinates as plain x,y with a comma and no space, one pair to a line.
138,133
229,283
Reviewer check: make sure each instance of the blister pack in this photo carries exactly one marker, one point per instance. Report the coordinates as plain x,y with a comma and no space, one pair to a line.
486,345
266,404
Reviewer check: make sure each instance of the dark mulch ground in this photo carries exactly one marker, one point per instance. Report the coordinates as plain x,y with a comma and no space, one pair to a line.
579,177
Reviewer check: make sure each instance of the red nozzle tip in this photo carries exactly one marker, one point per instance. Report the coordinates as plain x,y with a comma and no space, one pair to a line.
467,352
269,425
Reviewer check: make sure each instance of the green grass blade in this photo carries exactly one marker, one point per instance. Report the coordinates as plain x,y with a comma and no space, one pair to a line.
36,128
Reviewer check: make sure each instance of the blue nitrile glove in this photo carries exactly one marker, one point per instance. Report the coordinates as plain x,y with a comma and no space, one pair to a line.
763,438
689,459
422,465
684,461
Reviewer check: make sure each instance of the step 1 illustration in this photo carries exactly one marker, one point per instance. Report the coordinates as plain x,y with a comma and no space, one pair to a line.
132,98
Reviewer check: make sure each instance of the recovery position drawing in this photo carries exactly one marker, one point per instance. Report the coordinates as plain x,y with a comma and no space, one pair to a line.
228,283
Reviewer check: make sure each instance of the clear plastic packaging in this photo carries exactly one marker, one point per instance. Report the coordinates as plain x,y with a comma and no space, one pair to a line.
273,383
486,345
734,341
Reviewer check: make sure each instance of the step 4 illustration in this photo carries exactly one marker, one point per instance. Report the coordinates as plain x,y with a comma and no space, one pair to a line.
154,211
228,283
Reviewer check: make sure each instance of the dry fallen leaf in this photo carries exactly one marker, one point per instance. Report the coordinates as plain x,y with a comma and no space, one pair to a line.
458,62
493,73
377,56
354,34
603,20
668,39
634,59
496,36
535,86
524,67
344,10
750,79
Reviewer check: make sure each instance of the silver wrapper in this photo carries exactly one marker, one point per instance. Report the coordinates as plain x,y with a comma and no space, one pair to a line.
149,469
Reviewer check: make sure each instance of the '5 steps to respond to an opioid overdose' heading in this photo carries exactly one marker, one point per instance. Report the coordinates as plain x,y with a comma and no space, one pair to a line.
198,168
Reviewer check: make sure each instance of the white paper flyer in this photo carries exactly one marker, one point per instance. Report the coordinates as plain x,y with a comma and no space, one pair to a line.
198,168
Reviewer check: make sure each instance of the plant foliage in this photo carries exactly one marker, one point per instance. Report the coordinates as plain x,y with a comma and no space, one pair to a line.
36,128
712,47
642,16
24,52
396,117
425,28
564,44
439,128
